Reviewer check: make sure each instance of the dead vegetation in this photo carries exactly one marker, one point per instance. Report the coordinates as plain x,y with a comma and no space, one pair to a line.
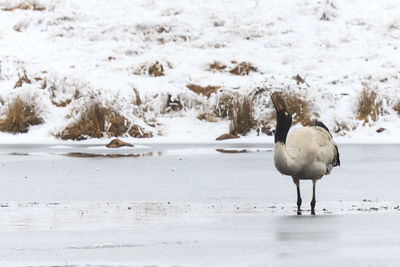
216,66
206,91
19,116
155,69
207,117
97,121
397,107
25,5
368,105
226,136
341,128
116,143
242,68
241,115
173,103
296,106
22,78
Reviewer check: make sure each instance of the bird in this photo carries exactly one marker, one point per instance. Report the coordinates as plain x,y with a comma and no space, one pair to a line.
304,153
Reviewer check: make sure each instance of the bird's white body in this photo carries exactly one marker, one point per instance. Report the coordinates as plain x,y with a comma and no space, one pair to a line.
309,153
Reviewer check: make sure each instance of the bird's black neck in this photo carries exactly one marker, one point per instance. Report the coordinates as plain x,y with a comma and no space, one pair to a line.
281,135
283,124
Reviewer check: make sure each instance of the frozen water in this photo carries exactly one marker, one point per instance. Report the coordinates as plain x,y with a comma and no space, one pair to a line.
215,209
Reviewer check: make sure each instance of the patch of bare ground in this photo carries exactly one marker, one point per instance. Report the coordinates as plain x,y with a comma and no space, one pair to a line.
206,91
116,143
369,105
241,115
25,5
243,68
97,121
296,106
19,116
155,69
226,136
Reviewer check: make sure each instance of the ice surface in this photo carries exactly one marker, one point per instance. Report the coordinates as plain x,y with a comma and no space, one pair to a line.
215,209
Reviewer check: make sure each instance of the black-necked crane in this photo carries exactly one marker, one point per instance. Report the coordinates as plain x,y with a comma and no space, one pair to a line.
305,153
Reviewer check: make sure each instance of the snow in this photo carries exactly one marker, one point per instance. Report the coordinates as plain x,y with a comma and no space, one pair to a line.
95,47
182,198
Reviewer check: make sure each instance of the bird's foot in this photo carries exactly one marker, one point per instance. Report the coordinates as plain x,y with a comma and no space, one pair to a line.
299,212
312,212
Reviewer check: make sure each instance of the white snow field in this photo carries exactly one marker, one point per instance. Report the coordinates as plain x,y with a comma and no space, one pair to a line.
181,198
80,50
193,205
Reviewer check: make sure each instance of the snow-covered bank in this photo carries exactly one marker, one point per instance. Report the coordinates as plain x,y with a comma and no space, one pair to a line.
75,51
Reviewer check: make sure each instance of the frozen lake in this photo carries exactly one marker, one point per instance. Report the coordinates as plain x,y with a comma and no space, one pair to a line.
200,205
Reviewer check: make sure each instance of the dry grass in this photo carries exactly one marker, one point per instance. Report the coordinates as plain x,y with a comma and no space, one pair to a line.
217,66
368,106
22,78
138,132
397,107
138,100
224,104
243,68
20,115
25,5
97,121
241,115
207,117
173,104
341,128
155,69
206,91
295,105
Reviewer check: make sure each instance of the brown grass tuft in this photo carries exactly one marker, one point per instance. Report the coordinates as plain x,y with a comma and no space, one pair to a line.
397,107
20,115
22,79
241,115
217,66
295,105
97,121
243,68
341,128
26,5
299,80
206,91
207,117
138,100
173,104
368,105
156,69
138,132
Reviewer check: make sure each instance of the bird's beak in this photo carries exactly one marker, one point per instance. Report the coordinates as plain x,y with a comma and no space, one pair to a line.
277,107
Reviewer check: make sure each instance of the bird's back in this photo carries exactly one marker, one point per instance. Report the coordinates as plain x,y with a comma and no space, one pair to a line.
314,149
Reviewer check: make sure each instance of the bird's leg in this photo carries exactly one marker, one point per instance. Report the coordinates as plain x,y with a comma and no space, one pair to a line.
313,198
297,182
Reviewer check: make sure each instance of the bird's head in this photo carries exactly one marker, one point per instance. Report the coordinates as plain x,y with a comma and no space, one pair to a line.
283,121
